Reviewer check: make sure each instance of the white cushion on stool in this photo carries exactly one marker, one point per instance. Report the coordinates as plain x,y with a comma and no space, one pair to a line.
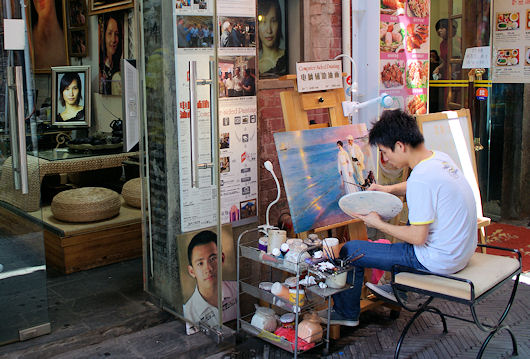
484,270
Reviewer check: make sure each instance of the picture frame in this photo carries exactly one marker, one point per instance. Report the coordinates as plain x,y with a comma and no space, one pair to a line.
71,108
76,19
102,6
51,50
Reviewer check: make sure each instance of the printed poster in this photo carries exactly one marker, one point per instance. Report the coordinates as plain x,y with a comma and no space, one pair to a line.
404,53
511,41
194,28
237,110
194,42
404,44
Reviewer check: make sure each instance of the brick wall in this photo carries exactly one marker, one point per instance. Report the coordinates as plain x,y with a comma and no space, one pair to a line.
325,34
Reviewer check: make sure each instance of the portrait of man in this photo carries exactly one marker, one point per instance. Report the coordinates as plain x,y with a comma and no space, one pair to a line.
202,266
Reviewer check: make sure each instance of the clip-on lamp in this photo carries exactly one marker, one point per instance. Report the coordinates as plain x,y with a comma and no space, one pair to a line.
265,227
348,107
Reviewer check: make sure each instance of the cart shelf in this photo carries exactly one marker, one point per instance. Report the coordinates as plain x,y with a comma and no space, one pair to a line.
256,292
273,338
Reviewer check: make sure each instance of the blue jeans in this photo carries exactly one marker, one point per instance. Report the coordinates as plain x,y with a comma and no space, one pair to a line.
376,255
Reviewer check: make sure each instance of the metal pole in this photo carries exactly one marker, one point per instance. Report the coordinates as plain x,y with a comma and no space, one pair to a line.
29,84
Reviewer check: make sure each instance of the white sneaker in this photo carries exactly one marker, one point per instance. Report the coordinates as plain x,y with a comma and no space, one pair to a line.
384,290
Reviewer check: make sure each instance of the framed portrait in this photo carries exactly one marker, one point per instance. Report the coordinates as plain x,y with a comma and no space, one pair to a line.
71,96
273,58
102,6
47,30
77,43
76,20
111,49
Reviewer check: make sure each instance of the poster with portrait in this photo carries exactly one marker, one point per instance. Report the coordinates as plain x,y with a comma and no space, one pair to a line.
272,32
111,47
319,166
71,96
47,34
198,257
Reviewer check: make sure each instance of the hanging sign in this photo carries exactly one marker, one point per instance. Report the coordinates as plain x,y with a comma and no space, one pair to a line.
318,76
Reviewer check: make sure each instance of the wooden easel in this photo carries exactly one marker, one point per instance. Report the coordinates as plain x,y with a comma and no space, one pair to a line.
295,106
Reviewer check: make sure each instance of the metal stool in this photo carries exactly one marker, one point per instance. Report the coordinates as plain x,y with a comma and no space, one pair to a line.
484,274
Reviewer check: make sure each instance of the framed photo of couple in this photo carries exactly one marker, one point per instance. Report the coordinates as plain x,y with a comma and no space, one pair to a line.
71,96
102,6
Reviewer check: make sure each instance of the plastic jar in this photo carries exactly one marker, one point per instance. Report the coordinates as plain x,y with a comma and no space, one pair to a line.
263,243
287,320
265,319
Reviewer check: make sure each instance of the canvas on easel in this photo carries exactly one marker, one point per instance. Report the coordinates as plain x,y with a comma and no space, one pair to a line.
451,132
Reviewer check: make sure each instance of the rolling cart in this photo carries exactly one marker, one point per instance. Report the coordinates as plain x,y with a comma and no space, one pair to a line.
248,283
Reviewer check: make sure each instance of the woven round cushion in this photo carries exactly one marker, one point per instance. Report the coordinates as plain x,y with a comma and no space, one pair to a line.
132,192
87,204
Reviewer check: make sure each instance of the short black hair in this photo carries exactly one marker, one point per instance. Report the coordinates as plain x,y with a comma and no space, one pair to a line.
340,143
200,239
66,80
444,23
393,126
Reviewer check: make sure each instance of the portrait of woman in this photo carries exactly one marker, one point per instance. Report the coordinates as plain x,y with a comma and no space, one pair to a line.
71,95
47,34
272,54
110,52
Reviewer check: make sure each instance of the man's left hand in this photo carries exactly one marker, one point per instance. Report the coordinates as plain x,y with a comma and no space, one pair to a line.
371,219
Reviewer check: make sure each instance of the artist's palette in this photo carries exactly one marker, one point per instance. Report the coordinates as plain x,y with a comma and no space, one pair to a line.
386,205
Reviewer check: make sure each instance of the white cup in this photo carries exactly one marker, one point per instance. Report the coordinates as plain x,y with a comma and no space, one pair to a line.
337,280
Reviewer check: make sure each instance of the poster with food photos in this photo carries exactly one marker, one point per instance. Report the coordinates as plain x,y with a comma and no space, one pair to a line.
404,53
510,61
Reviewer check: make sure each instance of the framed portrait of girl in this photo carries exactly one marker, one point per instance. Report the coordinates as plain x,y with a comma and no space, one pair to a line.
71,96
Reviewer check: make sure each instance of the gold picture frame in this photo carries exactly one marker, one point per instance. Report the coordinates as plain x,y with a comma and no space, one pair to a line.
51,50
102,6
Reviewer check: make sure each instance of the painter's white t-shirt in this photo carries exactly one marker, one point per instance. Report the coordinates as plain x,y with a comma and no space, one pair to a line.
198,310
438,194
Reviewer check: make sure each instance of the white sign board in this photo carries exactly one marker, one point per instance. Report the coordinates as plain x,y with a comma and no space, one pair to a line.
14,34
318,76
477,58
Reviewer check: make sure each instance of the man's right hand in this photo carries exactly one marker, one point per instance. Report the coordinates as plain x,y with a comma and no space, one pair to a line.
377,187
